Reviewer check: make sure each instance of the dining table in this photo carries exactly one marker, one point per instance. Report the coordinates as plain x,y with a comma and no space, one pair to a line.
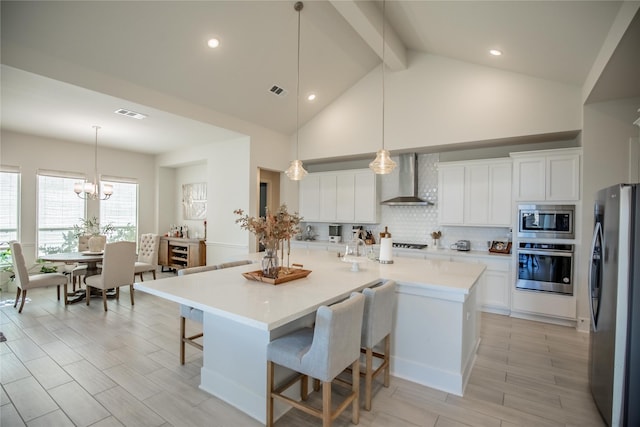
90,259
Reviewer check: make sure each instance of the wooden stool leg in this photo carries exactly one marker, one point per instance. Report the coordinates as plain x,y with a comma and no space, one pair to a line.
153,272
104,299
368,378
182,336
304,387
355,405
387,350
15,303
58,292
326,404
131,294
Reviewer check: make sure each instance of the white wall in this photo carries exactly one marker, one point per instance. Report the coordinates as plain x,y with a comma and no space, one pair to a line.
191,174
232,180
439,102
32,153
608,128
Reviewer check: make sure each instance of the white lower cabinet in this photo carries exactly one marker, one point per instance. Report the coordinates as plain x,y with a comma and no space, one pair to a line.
495,289
545,304
494,293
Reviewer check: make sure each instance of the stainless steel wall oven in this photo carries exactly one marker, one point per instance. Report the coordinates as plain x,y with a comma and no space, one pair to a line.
545,267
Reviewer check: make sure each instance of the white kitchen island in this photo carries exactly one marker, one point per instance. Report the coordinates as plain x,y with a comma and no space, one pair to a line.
436,323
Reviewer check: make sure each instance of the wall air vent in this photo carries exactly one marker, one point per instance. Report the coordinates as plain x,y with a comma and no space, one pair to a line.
129,113
278,91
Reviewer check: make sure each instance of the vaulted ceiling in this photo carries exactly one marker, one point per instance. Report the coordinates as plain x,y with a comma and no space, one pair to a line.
69,65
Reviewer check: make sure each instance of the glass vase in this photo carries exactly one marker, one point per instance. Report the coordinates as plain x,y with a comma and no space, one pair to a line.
270,262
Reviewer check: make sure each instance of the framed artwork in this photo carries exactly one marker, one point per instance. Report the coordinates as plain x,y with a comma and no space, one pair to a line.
500,247
194,200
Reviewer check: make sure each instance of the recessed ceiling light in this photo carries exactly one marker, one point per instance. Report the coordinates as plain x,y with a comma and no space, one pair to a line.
213,43
311,97
495,52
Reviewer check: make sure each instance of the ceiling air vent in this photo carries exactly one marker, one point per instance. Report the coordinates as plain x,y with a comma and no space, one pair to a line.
129,113
278,91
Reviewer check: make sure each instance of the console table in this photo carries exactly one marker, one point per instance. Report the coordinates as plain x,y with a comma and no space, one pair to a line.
177,252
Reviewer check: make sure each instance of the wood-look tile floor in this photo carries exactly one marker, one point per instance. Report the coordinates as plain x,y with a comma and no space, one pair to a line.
81,366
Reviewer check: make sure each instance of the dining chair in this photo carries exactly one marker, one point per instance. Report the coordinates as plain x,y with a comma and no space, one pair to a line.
25,282
377,324
147,255
194,314
320,353
117,270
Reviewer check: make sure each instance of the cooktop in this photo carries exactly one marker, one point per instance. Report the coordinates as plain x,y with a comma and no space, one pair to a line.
409,245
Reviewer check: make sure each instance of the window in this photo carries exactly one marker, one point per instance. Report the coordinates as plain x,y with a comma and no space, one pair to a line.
121,210
9,202
59,209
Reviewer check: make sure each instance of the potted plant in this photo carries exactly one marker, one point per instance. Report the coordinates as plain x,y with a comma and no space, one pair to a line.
271,230
91,227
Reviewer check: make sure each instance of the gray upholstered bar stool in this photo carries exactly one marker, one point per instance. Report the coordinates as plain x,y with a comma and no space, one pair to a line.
191,313
320,353
377,324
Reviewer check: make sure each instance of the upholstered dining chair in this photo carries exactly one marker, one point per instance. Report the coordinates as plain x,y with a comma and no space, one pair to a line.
117,270
320,353
194,314
377,324
147,255
26,282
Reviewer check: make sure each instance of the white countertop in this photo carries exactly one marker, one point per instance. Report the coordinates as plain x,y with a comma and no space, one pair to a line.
265,306
322,244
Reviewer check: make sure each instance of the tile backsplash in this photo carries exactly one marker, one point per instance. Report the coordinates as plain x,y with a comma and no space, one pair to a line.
414,224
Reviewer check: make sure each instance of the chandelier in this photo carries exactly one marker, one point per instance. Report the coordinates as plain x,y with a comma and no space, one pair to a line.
296,171
383,164
91,190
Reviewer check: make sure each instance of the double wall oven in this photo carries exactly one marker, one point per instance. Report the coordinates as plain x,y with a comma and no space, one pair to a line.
545,260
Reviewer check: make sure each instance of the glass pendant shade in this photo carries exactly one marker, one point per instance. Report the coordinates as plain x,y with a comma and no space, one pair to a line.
383,164
296,172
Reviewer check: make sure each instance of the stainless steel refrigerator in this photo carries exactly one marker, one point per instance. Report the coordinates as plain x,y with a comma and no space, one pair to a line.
614,287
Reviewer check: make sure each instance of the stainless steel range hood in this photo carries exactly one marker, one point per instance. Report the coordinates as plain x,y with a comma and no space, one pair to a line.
407,183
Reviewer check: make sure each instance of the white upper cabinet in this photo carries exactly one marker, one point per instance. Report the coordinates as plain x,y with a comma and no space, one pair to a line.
345,197
547,175
348,196
328,197
475,193
309,196
451,194
367,203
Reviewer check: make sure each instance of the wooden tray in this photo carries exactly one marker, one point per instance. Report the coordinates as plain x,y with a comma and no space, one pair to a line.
293,274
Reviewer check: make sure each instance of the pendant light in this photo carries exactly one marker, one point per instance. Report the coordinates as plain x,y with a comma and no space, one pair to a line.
296,171
383,164
91,190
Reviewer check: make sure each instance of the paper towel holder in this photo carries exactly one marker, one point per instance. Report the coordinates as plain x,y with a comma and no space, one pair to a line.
385,245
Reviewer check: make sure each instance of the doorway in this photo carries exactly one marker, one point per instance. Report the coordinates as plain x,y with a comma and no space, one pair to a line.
268,194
